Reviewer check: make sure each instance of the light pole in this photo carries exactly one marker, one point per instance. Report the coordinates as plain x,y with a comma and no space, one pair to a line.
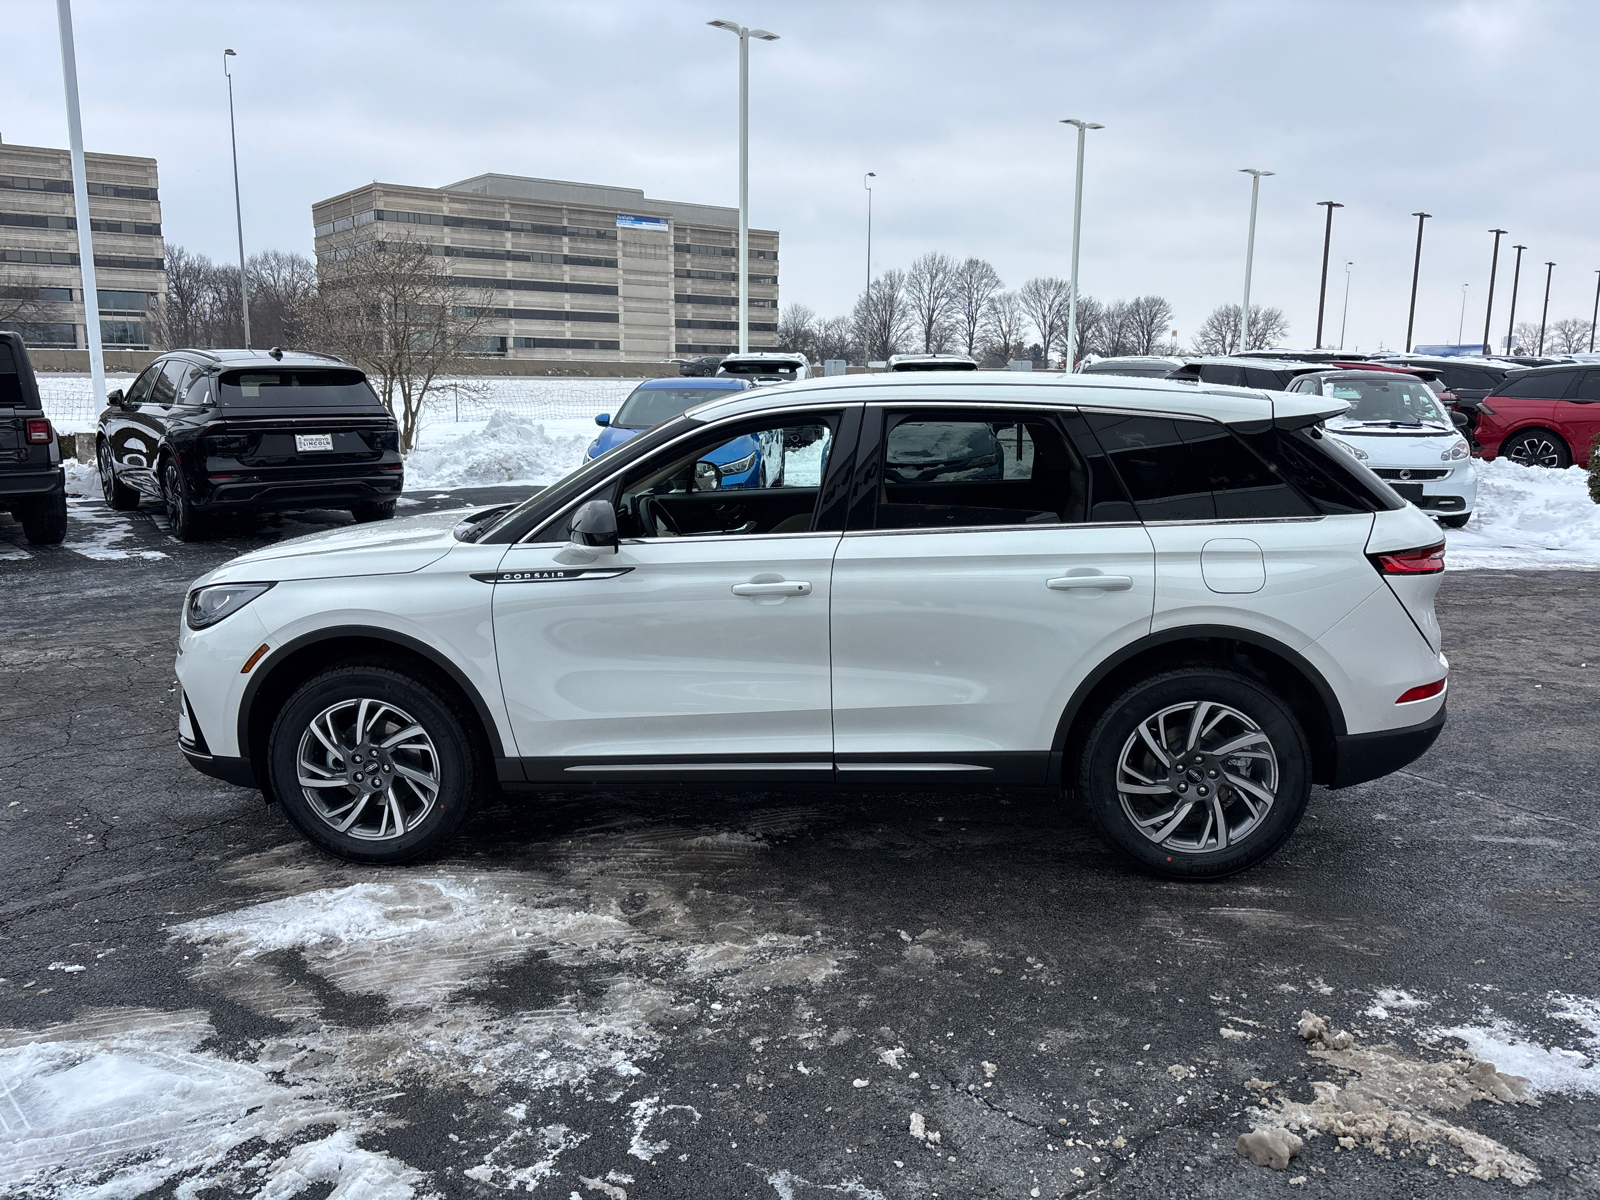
1346,315
1250,255
238,211
1083,128
80,203
868,186
1488,306
745,34
1461,325
1327,241
1549,270
1416,269
1595,316
1511,322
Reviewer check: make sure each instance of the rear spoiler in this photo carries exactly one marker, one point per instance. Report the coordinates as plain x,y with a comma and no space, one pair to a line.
1296,410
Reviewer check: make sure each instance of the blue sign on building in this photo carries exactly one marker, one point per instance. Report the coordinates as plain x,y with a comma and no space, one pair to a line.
627,221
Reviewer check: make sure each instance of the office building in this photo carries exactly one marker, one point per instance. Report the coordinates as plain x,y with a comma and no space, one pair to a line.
577,270
41,288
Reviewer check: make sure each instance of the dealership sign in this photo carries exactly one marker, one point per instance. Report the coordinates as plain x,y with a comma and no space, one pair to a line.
625,221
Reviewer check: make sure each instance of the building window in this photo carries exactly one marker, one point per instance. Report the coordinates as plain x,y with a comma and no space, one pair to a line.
343,223
539,343
53,258
572,260
122,333
721,251
533,285
733,301
754,326
729,276
46,333
700,348
541,314
122,301
455,222
483,345
120,191
27,183
120,263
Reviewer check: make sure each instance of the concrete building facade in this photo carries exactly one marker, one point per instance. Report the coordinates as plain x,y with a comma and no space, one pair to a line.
41,285
577,270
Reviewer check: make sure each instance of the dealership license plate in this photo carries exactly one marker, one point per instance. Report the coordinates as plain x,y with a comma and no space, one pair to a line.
324,441
1409,491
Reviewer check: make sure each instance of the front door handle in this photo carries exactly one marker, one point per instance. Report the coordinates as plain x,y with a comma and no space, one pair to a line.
785,587
1105,583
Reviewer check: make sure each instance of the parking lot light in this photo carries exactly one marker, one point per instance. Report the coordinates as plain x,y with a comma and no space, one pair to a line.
1511,322
745,34
1488,306
1250,254
868,186
1083,128
238,211
1416,270
1327,242
1549,270
1345,317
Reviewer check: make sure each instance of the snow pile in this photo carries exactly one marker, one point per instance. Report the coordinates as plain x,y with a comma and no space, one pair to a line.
1528,517
505,450
1547,1068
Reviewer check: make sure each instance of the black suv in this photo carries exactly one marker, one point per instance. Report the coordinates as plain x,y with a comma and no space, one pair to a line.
32,484
210,431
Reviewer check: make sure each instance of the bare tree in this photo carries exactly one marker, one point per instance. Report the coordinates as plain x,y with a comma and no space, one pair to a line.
932,298
882,318
1525,338
1004,319
797,330
833,339
1219,332
21,305
1571,336
975,284
1044,301
1093,318
386,306
281,287
1149,320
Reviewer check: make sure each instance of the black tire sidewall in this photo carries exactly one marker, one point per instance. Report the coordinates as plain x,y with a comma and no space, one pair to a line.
180,509
1102,747
1555,439
458,769
44,520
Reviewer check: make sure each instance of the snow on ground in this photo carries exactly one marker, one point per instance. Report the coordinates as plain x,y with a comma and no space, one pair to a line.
505,449
1528,517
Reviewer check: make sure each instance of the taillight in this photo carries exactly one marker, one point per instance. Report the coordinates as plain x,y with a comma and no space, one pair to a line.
1426,692
39,431
1424,560
1483,407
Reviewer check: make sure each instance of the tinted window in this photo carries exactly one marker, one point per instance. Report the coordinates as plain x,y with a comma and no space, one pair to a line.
164,390
1242,485
1155,371
1256,378
1537,385
1219,373
140,391
1588,387
645,407
1327,478
961,470
1468,377
1403,399
296,387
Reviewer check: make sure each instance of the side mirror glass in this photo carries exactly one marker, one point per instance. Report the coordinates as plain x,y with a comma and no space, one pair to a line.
603,419
594,526
114,397
707,476
1460,420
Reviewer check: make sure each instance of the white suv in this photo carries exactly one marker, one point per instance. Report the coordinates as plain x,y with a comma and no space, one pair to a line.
1177,602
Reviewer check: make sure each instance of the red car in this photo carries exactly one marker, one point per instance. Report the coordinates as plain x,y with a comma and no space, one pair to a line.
1547,417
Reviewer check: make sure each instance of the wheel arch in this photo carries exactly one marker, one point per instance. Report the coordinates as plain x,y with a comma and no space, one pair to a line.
286,668
1539,425
1285,670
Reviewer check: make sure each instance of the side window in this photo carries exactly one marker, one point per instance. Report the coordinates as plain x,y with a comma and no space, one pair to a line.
1537,386
1256,378
1243,486
1222,373
1588,387
139,392
195,389
760,479
164,388
946,469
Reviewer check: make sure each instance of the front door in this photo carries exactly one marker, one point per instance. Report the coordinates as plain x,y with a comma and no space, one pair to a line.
133,431
990,564
701,645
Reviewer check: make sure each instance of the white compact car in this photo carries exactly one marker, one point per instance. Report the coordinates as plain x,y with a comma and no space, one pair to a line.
1179,603
1397,427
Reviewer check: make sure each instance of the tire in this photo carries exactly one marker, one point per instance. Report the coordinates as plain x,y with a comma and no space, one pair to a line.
1537,448
1455,520
118,495
44,519
429,811
375,510
1234,707
187,524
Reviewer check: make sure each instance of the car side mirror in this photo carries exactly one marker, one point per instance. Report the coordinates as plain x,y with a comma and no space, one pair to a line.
114,397
707,476
594,527
1460,420
603,420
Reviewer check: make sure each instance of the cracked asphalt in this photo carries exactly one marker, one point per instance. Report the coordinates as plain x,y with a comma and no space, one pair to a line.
801,983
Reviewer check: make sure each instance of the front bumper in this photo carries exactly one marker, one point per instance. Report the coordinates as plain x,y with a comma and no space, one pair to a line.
34,482
1360,757
192,741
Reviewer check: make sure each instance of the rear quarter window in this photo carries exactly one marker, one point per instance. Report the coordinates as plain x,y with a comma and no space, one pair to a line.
1536,386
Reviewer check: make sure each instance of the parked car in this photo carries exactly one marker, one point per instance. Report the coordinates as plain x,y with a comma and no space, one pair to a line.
32,483
204,432
1544,417
1125,614
699,368
1398,427
658,400
766,366
1149,366
932,362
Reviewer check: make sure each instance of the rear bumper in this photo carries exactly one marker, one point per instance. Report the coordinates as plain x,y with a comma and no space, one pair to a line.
34,482
289,491
1360,757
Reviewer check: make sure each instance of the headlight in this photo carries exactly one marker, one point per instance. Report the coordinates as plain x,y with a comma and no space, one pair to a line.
1348,448
208,605
1459,451
739,465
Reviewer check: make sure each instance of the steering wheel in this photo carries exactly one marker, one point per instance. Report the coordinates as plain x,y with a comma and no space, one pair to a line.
655,516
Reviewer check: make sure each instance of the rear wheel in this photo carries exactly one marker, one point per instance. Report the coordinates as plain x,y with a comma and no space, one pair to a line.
372,765
375,510
44,519
1197,772
187,524
1537,448
118,494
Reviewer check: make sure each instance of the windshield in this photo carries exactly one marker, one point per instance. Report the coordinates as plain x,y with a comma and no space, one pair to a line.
776,368
645,407
298,388
1405,399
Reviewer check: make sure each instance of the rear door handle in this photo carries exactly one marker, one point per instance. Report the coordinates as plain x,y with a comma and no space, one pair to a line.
786,587
1105,583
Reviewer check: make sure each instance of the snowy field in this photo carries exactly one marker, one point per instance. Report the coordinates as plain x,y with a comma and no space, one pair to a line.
482,432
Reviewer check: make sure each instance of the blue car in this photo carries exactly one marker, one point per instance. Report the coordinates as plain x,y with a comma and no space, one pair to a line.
657,400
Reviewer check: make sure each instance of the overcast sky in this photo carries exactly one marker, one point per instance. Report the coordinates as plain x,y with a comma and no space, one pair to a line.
1480,113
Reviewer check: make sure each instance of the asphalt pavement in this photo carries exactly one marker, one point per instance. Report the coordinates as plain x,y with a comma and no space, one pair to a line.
791,995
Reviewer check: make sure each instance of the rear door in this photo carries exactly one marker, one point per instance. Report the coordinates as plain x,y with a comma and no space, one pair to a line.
1579,415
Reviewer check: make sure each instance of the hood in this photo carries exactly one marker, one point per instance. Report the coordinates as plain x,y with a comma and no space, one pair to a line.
1385,447
395,547
610,437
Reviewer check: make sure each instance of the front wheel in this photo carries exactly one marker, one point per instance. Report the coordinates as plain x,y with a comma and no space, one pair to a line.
1537,448
372,765
1197,772
44,519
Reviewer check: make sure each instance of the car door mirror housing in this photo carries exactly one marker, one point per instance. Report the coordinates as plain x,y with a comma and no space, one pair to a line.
594,526
114,397
1460,420
707,476
603,420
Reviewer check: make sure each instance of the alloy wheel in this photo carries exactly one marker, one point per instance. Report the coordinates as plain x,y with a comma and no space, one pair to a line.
1535,451
1197,777
368,770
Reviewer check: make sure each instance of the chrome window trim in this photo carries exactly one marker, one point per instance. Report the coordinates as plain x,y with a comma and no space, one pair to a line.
994,528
